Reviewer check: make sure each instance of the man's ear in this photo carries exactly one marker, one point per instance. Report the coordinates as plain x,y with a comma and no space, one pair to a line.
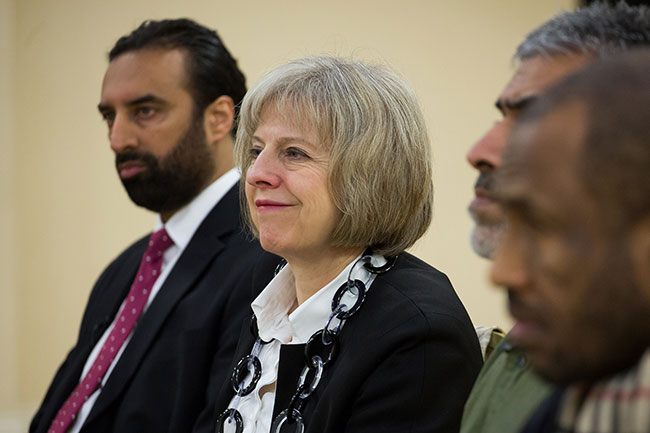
640,251
218,118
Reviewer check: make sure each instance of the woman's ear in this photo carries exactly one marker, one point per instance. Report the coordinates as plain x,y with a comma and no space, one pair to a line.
218,119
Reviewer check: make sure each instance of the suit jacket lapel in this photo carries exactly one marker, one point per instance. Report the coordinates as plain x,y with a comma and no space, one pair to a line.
106,299
204,246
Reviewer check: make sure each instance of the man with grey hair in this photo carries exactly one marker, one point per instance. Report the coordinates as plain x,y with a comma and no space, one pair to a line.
550,52
506,391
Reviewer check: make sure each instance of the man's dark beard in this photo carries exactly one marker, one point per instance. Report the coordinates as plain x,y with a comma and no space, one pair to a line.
169,183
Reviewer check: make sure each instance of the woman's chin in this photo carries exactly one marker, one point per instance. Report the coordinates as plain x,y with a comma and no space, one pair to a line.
271,244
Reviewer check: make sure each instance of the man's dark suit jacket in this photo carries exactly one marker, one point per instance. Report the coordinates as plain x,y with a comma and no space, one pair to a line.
182,345
406,361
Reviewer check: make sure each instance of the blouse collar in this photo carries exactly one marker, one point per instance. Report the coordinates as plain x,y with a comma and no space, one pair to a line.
272,306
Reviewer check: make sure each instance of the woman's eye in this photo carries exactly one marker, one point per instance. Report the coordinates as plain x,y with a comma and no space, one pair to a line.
295,153
255,151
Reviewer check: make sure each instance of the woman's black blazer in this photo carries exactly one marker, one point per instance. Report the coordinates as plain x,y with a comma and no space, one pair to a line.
406,361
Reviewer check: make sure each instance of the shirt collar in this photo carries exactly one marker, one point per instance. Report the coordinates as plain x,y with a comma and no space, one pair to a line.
271,307
182,225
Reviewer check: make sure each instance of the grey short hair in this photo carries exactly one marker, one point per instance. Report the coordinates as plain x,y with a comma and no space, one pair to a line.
598,29
379,172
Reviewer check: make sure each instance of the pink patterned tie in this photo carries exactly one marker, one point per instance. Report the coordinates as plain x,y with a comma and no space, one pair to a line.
133,305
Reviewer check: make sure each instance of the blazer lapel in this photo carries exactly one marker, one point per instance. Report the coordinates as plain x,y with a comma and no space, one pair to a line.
292,361
262,275
244,346
199,253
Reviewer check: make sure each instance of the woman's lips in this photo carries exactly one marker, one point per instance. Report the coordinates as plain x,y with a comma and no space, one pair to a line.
270,205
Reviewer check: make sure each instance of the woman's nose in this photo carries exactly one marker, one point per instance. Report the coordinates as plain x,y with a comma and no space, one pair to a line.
264,171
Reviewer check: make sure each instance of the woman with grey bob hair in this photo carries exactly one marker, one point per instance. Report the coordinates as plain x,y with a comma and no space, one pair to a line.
352,333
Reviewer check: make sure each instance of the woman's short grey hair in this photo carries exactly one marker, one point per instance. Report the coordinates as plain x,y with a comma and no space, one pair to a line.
598,29
379,172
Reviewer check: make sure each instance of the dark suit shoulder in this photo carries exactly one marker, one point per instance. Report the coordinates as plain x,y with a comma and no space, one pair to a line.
419,288
406,361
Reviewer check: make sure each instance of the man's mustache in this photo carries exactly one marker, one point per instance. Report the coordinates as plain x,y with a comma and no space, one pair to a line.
485,180
521,309
146,158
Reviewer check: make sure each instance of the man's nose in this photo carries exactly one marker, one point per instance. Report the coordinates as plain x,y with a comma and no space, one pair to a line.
122,134
487,150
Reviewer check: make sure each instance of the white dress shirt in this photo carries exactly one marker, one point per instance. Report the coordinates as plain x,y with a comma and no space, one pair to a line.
180,228
278,327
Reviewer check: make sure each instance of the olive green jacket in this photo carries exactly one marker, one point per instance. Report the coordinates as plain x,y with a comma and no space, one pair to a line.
505,393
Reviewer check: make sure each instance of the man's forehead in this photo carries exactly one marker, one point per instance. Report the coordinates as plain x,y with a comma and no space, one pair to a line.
144,71
536,74
545,151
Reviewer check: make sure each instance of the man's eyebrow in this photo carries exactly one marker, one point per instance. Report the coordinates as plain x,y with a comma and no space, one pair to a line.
504,105
144,99
103,107
137,101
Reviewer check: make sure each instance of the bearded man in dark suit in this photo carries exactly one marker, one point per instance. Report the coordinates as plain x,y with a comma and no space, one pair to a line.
169,98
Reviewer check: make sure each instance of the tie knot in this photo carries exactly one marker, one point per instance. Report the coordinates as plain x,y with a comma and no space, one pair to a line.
159,241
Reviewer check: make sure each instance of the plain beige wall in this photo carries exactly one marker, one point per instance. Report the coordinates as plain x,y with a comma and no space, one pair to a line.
65,214
8,294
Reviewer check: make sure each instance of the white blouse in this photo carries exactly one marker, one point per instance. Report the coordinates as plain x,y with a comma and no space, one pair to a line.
278,327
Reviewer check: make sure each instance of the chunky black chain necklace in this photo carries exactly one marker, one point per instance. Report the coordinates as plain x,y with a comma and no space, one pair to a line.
320,351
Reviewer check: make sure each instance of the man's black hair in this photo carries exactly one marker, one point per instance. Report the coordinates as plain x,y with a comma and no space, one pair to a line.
211,70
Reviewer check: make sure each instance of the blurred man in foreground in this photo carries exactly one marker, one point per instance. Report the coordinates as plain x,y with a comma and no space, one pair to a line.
507,391
575,256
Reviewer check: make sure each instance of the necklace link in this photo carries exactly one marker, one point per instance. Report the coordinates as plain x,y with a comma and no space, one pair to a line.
293,417
248,364
228,416
317,367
